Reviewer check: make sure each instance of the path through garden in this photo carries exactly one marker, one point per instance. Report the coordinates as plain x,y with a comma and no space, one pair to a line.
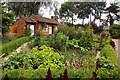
117,49
6,59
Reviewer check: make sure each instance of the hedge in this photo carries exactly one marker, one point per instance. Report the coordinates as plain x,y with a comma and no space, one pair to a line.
108,63
109,53
115,31
12,45
38,74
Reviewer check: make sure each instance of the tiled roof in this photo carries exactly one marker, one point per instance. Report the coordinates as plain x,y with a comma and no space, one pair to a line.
47,20
29,20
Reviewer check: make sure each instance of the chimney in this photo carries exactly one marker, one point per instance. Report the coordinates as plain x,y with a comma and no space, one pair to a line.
53,17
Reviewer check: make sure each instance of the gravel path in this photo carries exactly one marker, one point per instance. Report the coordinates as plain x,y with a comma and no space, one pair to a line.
6,59
117,43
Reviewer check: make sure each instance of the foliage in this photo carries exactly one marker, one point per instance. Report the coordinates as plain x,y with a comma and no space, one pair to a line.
108,65
67,11
35,59
27,31
7,18
105,39
48,58
75,44
81,9
25,74
12,45
115,31
56,10
96,29
113,9
6,39
40,73
72,32
107,52
57,42
33,7
25,8
61,41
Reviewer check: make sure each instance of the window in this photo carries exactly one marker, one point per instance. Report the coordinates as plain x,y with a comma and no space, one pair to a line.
46,28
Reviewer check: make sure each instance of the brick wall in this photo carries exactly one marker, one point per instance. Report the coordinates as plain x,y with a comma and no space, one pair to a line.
21,25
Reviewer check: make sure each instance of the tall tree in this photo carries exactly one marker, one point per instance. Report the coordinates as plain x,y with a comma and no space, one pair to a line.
24,8
113,10
7,18
28,8
67,11
86,9
56,11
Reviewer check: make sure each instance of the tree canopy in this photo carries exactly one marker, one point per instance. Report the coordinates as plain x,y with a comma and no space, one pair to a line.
24,8
113,10
81,9
7,18
67,11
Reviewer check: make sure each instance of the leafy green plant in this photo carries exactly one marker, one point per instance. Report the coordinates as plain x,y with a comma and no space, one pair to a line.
10,46
115,31
75,43
57,42
48,58
71,32
34,59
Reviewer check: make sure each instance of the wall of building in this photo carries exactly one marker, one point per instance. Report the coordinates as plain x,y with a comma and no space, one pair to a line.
21,25
13,28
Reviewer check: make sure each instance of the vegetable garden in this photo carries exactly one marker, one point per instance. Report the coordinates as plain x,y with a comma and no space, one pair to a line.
70,51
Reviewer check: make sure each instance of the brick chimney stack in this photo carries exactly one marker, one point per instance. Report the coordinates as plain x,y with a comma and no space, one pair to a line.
53,17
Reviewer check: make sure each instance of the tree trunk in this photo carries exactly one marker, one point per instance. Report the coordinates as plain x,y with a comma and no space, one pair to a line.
83,21
90,20
100,19
72,19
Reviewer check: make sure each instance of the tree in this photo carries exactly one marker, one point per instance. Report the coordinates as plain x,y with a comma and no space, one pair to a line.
56,12
7,18
86,9
81,9
67,11
113,10
29,8
24,8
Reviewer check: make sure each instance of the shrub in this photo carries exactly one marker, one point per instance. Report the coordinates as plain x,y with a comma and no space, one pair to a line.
115,31
10,46
72,32
7,38
57,42
108,63
109,53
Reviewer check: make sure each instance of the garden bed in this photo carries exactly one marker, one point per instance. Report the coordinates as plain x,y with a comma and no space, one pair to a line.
76,53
